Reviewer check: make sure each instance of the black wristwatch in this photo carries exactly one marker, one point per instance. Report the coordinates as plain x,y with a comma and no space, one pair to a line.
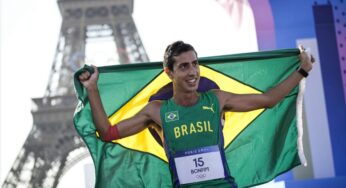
303,72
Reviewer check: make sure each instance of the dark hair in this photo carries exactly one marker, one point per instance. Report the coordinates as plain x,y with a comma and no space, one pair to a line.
175,49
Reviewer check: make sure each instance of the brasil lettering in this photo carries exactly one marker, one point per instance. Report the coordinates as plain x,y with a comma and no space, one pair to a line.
197,127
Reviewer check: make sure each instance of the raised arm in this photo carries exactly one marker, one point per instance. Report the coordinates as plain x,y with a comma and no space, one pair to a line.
248,102
124,128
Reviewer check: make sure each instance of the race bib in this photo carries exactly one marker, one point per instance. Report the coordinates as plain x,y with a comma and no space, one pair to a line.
198,165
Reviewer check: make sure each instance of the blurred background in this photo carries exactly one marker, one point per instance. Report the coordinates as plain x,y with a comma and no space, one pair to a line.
42,43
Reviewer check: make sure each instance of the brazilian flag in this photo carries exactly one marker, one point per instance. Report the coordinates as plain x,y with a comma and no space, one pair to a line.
259,144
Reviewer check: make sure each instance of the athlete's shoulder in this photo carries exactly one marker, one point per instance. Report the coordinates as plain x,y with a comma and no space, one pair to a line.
219,95
153,107
215,92
152,111
155,104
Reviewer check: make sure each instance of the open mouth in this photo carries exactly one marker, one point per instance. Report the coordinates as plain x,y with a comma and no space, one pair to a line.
192,81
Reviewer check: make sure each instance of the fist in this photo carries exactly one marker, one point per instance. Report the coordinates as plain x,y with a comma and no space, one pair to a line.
306,59
89,80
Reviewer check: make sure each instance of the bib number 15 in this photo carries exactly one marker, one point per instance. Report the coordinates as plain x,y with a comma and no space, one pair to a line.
198,162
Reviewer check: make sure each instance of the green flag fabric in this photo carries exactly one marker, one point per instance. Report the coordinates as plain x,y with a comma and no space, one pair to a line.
259,145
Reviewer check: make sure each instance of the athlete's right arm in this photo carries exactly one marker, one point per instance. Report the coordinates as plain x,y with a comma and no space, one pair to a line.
124,128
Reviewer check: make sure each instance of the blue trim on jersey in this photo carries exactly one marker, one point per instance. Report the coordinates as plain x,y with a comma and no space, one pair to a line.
201,150
171,164
227,171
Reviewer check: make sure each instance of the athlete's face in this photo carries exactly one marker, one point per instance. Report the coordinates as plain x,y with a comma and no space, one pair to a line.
185,74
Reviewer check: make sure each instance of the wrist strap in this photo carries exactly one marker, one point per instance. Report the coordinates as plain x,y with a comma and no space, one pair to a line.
112,134
303,72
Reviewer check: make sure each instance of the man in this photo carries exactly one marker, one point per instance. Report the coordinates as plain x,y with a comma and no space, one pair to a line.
190,120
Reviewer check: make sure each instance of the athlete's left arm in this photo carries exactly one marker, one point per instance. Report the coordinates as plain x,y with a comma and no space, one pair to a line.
247,102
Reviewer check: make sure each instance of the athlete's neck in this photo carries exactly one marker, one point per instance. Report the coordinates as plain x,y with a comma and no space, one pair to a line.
186,99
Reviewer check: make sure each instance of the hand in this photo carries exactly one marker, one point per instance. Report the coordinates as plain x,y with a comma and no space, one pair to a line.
88,80
306,59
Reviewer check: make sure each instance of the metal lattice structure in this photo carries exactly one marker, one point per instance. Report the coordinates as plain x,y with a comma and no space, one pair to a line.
53,146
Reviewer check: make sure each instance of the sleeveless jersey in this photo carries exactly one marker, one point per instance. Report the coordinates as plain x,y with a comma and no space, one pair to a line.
193,135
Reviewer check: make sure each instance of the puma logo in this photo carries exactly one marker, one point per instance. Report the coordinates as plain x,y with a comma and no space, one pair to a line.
209,108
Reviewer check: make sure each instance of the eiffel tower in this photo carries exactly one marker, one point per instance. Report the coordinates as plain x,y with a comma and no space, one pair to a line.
53,145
